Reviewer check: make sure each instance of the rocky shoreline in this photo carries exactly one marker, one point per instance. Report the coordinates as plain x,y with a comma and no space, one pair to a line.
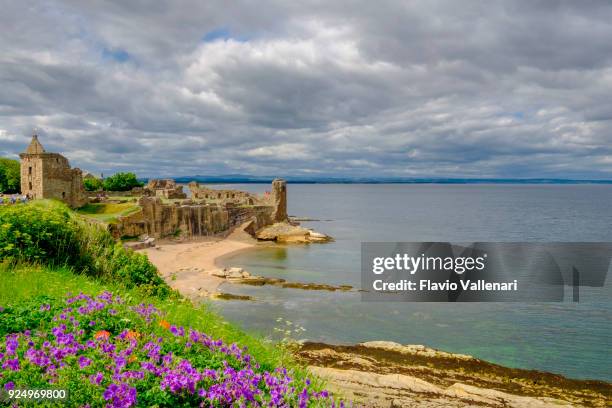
385,374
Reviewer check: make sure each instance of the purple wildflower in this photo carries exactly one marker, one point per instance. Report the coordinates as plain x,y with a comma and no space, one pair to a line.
96,378
120,395
11,364
84,362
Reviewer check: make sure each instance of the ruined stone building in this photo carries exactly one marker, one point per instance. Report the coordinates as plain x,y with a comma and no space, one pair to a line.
209,212
48,175
165,188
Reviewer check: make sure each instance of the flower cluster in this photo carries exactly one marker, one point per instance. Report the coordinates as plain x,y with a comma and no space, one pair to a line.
112,354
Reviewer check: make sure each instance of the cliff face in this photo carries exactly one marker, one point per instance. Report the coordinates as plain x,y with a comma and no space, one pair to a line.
214,211
157,219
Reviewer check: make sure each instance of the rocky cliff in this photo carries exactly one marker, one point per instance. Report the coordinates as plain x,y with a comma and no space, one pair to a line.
157,219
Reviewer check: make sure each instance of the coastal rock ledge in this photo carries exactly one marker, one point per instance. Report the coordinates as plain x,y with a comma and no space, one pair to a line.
284,232
390,375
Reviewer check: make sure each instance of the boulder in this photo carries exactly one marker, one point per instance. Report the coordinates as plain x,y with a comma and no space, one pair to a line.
235,273
285,232
220,273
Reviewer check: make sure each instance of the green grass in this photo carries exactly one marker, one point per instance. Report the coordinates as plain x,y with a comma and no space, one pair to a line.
20,283
108,212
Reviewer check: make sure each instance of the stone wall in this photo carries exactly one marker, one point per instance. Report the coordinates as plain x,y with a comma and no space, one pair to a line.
48,175
279,200
215,196
32,176
157,219
164,188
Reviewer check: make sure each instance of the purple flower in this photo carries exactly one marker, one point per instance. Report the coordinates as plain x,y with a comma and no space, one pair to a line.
120,395
84,362
120,362
96,378
9,385
240,381
11,344
11,364
37,357
177,331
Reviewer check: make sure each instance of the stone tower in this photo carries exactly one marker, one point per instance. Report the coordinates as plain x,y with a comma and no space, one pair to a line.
48,175
279,200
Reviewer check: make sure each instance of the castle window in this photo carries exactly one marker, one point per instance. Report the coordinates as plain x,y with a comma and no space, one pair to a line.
30,185
30,171
63,194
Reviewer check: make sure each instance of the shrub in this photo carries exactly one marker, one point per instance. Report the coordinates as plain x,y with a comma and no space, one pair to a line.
92,184
106,352
121,182
10,177
49,233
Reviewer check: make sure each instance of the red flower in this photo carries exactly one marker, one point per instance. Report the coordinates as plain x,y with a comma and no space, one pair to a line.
102,334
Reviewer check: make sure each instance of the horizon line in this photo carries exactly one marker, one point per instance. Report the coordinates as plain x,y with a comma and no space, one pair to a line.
248,179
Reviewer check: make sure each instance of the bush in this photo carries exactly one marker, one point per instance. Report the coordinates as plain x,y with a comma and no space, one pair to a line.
47,232
92,184
121,182
10,177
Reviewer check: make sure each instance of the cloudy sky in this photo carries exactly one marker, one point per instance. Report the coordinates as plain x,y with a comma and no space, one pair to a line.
359,88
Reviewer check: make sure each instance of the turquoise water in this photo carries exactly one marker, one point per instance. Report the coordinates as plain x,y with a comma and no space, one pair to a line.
573,339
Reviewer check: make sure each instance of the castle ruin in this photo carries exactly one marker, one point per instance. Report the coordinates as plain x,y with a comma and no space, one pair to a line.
48,175
164,208
208,212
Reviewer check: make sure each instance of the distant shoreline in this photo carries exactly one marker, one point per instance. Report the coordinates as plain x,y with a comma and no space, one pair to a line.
299,180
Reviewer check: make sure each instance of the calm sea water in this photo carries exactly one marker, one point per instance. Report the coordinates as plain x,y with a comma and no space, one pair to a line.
573,339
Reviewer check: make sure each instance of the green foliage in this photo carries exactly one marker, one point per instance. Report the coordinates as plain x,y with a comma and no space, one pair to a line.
92,184
92,343
10,177
121,182
23,288
47,232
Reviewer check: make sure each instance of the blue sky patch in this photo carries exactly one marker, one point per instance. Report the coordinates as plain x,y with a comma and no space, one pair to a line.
118,54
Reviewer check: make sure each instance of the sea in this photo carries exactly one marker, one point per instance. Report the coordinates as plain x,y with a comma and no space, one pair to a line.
572,339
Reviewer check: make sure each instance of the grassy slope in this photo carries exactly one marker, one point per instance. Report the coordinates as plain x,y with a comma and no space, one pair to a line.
20,283
107,212
24,282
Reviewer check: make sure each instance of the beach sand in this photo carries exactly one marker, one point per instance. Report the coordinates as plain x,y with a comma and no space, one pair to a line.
186,266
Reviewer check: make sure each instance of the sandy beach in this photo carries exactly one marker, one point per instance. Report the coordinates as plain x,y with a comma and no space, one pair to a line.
186,266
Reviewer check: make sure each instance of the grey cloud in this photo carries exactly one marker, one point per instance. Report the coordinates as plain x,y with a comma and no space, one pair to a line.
425,88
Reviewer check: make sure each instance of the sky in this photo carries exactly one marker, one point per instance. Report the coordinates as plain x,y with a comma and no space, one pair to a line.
510,89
